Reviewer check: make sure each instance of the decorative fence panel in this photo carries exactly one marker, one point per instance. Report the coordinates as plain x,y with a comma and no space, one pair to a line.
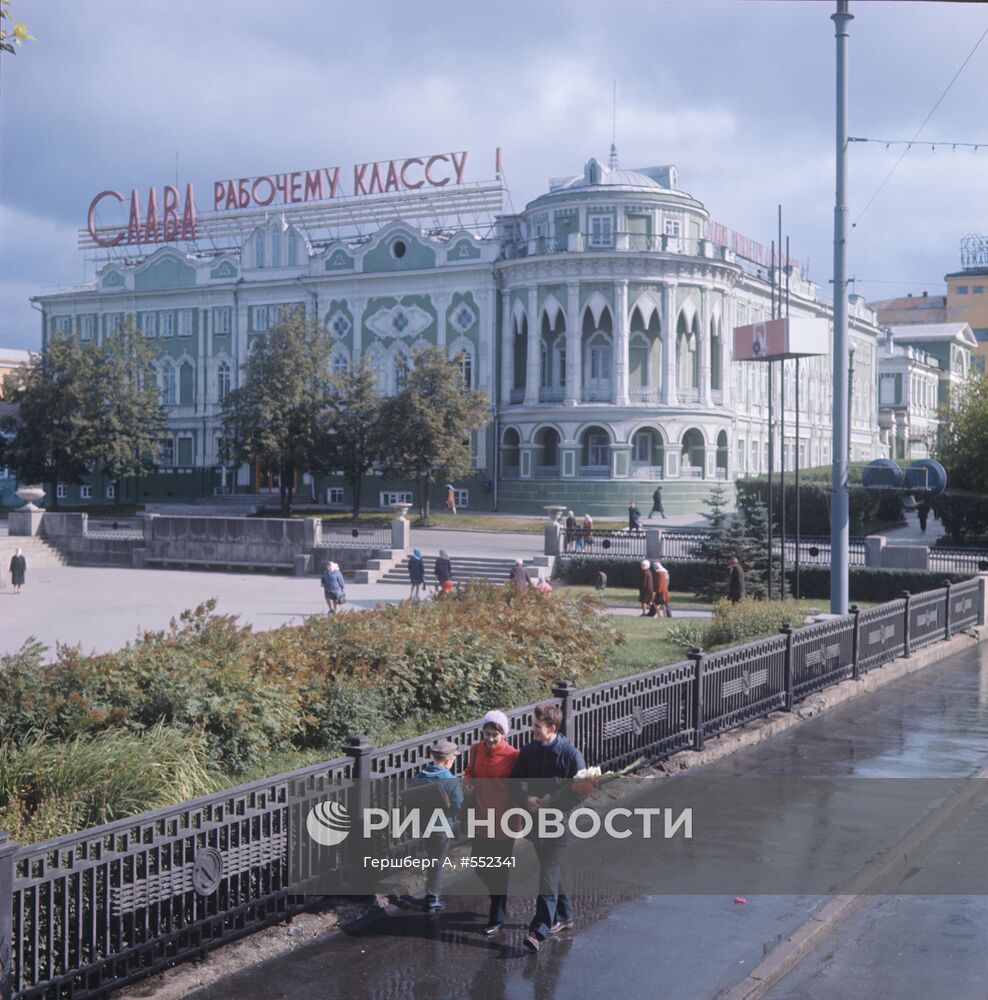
951,560
882,633
927,618
336,535
649,714
601,544
822,655
743,683
965,605
94,910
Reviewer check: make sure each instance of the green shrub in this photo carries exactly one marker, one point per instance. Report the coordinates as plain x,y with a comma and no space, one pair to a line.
964,516
749,619
872,584
684,574
50,788
687,634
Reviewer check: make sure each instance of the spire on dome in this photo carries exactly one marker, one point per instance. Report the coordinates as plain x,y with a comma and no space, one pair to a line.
612,163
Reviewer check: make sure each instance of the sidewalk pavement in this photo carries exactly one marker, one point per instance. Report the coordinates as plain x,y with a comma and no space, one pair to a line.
910,534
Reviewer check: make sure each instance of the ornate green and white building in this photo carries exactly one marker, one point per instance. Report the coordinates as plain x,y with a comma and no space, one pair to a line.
599,320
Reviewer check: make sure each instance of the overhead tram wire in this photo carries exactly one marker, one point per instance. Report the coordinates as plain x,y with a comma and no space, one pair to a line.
939,101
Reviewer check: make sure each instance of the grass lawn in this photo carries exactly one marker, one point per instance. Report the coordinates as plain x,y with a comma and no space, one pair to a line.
625,597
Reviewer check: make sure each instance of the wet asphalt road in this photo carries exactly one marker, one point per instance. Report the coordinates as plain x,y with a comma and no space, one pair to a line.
906,947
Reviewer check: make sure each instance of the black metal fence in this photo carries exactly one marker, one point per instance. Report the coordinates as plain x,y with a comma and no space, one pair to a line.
953,560
349,536
94,910
813,550
603,544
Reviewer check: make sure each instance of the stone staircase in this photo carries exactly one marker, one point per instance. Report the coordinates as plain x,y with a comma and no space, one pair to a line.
464,568
38,553
223,505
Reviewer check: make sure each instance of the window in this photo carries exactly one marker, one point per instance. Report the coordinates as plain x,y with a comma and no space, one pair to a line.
61,324
388,497
886,390
114,321
185,323
166,324
85,492
222,381
754,457
601,230
293,252
465,361
962,289
334,494
341,364
259,248
261,317
599,450
60,491
148,323
166,452
186,455
401,368
221,319
742,453
168,384
88,327
276,249
462,499
111,492
978,290
673,227
600,363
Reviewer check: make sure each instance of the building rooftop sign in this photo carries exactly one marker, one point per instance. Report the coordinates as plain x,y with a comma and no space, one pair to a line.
323,198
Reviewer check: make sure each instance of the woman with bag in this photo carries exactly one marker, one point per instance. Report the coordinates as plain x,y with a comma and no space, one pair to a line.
487,772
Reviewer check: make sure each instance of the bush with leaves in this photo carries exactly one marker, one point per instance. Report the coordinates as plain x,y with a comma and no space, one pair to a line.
749,619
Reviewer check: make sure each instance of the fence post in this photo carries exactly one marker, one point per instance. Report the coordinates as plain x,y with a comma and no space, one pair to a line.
946,617
787,678
855,637
905,633
564,691
359,748
696,655
7,850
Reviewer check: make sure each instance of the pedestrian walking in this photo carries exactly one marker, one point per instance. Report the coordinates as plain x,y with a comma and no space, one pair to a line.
569,539
646,588
923,510
489,766
660,582
587,539
440,789
544,769
333,587
657,502
443,571
518,575
600,582
416,574
634,517
18,570
450,498
735,581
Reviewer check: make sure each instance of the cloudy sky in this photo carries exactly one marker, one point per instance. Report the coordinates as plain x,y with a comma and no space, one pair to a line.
739,95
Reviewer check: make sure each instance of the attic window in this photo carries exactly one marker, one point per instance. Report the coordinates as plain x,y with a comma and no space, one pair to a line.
398,249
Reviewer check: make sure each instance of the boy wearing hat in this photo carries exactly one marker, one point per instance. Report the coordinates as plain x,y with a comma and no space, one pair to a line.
438,773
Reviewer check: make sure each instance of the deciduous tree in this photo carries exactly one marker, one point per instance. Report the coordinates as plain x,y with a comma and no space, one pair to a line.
962,447
428,424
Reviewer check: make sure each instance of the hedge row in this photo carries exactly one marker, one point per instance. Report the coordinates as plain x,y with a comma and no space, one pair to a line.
865,582
964,517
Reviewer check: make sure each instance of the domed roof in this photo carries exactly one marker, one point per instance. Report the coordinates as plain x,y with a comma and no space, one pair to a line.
597,175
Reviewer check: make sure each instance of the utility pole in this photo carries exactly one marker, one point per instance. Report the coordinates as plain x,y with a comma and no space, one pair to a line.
839,512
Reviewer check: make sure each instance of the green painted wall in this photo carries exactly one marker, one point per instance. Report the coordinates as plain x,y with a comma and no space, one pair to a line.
382,258
167,273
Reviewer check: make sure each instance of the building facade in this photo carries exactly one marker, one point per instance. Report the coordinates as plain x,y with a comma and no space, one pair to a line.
599,320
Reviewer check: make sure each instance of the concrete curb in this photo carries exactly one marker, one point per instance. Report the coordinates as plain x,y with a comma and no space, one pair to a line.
319,925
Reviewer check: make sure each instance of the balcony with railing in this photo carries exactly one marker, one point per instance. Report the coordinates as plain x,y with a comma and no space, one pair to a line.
610,242
644,394
546,471
552,394
517,396
597,394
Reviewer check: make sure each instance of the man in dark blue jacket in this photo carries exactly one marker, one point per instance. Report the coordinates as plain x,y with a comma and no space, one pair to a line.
544,770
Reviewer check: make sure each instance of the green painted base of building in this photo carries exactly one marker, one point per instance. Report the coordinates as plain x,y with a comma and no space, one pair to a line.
606,497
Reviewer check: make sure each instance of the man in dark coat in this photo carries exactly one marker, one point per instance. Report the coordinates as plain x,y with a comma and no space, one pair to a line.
18,570
570,537
657,503
544,770
634,517
443,570
735,581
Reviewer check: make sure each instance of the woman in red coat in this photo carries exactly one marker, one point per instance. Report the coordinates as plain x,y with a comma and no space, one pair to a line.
487,772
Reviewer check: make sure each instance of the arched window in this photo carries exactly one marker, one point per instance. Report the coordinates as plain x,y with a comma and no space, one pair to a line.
293,246
401,365
222,381
378,364
340,364
716,378
465,360
186,384
259,256
168,384
275,248
687,360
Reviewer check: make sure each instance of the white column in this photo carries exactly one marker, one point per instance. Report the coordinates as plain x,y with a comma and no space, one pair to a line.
484,377
533,369
440,300
507,373
574,344
669,395
621,343
357,307
704,347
